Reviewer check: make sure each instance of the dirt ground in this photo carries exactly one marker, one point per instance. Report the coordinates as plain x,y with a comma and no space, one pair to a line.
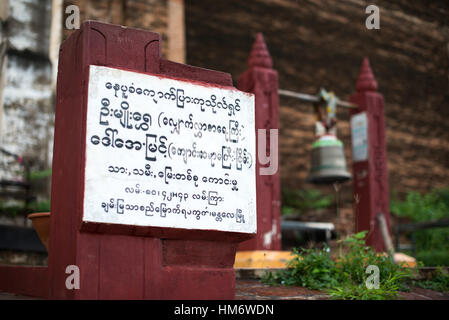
255,290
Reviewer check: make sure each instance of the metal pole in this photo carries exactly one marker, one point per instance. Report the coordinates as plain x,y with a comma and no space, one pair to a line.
310,98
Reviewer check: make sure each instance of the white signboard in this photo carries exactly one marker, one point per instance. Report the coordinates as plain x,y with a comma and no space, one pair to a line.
359,134
169,153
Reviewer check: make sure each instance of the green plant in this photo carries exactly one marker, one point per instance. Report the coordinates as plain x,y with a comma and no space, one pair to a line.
17,210
351,291
36,175
343,277
434,257
11,209
15,207
299,201
431,206
309,268
43,206
431,245
439,282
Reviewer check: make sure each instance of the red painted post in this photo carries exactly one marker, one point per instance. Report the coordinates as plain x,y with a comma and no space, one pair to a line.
262,80
371,190
124,261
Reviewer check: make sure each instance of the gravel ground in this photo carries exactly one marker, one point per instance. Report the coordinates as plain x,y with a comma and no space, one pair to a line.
255,290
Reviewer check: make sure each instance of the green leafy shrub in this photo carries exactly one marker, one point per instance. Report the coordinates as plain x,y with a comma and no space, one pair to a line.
431,206
431,245
387,291
17,210
299,201
43,206
344,277
439,282
16,207
11,209
309,268
434,257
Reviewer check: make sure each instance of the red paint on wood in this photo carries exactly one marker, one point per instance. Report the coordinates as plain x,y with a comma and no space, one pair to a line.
88,256
202,254
117,261
259,56
195,283
366,81
67,176
153,275
371,189
121,267
25,280
262,80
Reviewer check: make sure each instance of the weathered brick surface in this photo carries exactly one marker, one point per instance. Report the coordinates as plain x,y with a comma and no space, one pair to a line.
151,15
321,43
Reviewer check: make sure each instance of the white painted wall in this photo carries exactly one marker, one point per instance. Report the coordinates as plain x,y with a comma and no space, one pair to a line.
27,110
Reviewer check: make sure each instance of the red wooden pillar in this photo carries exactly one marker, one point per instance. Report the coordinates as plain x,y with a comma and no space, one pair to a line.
121,261
262,80
371,190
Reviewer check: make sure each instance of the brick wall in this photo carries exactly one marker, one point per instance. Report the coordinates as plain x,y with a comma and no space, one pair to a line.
321,43
150,14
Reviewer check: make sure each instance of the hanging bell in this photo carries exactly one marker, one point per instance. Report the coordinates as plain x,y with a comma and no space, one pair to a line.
328,165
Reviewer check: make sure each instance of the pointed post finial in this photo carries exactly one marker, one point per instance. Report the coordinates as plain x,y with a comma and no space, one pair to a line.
366,80
259,56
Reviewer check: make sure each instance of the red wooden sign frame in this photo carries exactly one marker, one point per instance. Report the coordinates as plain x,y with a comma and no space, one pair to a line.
118,261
